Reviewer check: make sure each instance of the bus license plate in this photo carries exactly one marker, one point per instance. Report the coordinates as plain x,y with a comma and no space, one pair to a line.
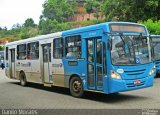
136,82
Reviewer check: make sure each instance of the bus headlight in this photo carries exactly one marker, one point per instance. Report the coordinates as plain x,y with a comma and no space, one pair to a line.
115,75
152,72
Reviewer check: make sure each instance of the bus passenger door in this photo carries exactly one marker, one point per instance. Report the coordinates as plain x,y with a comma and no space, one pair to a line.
47,74
94,63
12,60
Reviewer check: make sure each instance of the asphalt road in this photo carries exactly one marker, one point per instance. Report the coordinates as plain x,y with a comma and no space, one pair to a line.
35,96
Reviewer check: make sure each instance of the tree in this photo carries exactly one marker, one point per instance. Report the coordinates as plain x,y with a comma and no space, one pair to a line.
116,9
29,23
131,10
16,26
46,26
59,10
74,4
5,28
152,8
92,6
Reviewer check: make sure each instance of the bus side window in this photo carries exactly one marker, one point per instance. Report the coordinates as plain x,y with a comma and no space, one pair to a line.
33,50
99,51
73,47
21,52
57,48
6,53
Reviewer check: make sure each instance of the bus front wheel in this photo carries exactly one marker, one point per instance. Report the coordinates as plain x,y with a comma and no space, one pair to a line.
76,87
22,78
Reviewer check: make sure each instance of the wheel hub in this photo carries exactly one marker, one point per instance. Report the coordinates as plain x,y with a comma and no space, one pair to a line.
76,86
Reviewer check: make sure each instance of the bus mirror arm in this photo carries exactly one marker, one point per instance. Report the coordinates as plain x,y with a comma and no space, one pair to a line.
109,44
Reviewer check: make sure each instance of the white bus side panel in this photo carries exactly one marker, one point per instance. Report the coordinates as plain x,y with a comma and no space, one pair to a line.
58,72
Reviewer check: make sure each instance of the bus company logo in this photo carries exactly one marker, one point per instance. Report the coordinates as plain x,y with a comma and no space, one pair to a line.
57,65
120,70
92,34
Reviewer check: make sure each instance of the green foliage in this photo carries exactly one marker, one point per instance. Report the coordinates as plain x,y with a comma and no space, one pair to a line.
152,26
46,26
49,26
19,33
29,23
74,4
1,48
16,26
131,10
59,10
28,32
92,6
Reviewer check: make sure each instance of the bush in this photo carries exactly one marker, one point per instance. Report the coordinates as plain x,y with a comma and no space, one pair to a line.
152,26
1,48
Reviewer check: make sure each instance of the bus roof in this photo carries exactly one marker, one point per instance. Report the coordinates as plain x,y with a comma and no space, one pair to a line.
52,35
104,26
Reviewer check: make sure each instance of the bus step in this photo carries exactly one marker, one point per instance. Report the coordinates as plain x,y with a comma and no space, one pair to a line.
47,85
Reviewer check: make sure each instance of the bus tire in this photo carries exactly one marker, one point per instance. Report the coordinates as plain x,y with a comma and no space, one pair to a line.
22,78
76,87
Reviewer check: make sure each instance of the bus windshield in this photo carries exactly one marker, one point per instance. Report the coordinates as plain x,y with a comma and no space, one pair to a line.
156,48
129,50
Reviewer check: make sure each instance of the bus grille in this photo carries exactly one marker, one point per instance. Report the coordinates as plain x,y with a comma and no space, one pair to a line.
131,85
134,72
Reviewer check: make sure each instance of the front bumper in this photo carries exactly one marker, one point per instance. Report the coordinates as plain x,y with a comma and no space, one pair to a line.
127,85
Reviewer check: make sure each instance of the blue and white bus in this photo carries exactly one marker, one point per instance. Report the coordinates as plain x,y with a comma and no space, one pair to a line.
108,58
155,44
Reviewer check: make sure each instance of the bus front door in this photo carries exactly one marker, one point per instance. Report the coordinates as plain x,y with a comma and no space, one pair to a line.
12,66
94,63
47,74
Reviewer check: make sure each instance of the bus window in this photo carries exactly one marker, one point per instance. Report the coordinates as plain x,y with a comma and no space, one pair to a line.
91,50
33,50
47,53
99,51
21,52
57,48
6,53
73,46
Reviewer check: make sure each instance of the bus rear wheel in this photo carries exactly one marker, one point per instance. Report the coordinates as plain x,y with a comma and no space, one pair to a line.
22,78
76,87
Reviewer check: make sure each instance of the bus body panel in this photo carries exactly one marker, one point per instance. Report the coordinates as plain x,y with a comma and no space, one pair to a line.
127,85
32,68
95,75
78,67
58,73
133,77
155,43
157,64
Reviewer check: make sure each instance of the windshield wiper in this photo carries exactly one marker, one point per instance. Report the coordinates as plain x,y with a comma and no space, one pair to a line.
126,45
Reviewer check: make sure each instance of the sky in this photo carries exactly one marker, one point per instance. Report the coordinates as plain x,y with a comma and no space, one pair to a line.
17,11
